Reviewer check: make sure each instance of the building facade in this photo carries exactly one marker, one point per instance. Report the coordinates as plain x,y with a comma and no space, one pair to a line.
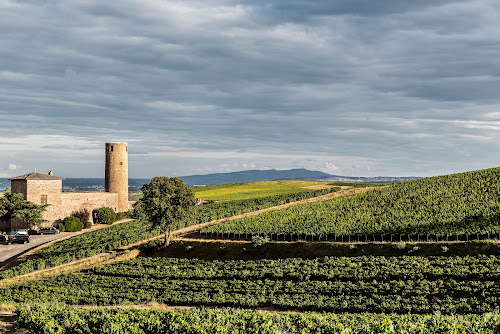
42,188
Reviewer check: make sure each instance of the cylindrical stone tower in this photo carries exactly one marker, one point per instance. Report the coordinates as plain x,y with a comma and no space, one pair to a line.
116,174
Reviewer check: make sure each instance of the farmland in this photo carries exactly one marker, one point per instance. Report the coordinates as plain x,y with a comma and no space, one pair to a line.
239,191
451,204
265,286
401,285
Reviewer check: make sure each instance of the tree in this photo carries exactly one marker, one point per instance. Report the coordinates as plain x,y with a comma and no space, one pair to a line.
166,201
15,206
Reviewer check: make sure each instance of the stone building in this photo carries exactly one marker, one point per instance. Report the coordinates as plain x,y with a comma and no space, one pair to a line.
47,189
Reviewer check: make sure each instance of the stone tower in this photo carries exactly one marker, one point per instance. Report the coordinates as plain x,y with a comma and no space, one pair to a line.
116,174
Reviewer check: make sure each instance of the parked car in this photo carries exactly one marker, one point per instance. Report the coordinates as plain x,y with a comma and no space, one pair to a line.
22,237
49,230
3,237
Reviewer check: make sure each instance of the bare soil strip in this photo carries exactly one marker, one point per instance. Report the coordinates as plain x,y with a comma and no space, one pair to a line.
130,251
8,324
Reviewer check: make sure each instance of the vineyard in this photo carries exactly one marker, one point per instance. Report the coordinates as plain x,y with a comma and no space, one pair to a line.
113,237
418,285
283,287
64,319
460,204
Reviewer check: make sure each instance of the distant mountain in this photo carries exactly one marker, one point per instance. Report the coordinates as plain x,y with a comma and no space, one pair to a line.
97,184
272,174
252,176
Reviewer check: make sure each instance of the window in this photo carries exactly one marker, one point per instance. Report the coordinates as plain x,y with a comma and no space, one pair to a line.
111,148
121,163
43,199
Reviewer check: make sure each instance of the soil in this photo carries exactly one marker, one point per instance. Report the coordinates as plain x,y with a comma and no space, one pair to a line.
8,324
245,250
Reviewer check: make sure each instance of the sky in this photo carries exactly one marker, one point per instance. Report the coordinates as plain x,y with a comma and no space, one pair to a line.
347,87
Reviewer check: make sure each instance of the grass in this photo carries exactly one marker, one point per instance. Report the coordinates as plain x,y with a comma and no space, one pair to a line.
238,191
7,307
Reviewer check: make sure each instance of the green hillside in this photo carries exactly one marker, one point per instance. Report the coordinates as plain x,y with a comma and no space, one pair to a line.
459,203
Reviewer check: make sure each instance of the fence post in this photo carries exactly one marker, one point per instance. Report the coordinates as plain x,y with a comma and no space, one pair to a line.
467,236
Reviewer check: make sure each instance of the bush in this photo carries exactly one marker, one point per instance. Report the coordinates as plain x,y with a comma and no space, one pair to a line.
401,245
257,240
120,215
72,224
88,224
61,227
104,216
83,215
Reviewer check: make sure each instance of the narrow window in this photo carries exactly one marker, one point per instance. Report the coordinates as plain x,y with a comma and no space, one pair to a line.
121,163
111,148
43,199
126,148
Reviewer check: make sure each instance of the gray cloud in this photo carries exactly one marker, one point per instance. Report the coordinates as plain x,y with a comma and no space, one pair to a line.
362,88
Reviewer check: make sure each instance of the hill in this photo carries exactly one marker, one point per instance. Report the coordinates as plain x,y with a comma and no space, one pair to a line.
450,204
253,176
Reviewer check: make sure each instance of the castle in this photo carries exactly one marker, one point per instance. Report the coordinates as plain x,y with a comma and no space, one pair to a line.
47,189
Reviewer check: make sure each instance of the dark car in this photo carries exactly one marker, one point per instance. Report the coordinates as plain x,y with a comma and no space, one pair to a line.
18,237
49,230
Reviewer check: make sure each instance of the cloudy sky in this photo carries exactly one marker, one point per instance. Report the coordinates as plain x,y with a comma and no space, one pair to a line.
349,87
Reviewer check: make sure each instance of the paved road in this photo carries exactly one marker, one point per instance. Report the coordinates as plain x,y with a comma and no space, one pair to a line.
11,252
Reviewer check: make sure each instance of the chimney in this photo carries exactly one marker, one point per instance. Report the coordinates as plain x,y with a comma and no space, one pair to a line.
50,173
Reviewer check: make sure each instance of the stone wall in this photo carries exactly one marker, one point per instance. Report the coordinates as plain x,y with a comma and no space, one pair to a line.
53,189
74,201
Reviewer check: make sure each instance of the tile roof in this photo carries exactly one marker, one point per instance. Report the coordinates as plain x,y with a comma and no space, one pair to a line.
37,176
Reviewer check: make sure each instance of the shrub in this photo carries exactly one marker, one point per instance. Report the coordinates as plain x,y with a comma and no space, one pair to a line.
104,215
401,245
257,240
83,215
120,215
88,224
72,224
445,249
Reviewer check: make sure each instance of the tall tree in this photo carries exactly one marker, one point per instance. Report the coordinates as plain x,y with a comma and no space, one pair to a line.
15,206
167,201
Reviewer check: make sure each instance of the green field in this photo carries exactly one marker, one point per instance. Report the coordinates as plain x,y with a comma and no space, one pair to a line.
451,204
67,319
251,287
377,284
238,191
